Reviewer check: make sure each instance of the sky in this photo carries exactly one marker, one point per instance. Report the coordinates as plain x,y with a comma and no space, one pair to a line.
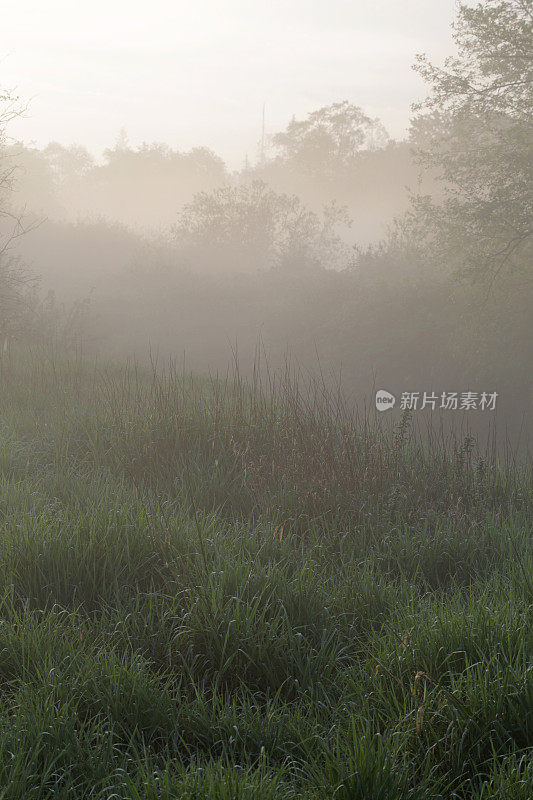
197,72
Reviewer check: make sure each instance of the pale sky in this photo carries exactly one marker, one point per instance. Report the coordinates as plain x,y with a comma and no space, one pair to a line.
197,72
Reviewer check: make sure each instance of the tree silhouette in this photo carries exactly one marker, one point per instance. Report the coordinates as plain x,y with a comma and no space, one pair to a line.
250,227
475,130
330,138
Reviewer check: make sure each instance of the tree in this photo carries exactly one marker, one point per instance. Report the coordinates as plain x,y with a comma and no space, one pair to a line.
68,163
121,185
13,279
475,130
250,227
330,138
8,111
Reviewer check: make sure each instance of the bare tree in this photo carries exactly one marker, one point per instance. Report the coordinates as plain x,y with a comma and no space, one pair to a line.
14,279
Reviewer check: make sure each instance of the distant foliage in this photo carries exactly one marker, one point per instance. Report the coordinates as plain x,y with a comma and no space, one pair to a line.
249,227
329,138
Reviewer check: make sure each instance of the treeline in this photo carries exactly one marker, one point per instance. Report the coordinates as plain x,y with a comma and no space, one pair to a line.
406,263
329,156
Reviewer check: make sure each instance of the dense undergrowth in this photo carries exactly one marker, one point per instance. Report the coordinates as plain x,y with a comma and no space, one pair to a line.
218,589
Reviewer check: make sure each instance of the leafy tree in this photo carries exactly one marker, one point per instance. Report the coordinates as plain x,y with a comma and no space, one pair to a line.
68,163
121,185
155,161
330,138
250,227
475,130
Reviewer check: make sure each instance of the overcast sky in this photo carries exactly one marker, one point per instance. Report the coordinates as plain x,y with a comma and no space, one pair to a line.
197,72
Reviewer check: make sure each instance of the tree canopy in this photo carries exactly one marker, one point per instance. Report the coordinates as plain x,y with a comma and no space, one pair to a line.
250,227
475,130
329,138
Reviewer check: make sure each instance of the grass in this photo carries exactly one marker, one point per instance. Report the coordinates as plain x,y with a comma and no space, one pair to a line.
213,588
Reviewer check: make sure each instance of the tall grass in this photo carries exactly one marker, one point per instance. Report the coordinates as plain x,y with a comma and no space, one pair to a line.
212,587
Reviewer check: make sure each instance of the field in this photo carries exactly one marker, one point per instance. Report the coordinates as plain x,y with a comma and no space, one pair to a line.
213,588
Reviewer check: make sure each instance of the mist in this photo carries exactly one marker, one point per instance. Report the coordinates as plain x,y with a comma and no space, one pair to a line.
310,251
266,489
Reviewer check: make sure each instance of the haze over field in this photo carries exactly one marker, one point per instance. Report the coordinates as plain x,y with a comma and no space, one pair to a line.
266,347
167,214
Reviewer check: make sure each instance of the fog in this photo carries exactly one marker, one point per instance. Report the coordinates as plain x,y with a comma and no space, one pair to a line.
203,181
266,487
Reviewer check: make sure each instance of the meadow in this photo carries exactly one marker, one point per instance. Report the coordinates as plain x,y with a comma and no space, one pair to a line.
213,587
